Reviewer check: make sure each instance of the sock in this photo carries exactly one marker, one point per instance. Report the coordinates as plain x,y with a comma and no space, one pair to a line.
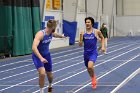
41,90
50,85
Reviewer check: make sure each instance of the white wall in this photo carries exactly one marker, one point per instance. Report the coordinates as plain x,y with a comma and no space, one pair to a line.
105,13
131,7
109,10
80,24
69,10
58,16
94,9
56,42
128,7
127,24
118,25
119,7
128,17
73,10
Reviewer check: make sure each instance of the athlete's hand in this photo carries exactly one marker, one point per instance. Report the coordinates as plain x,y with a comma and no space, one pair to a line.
43,60
63,36
80,43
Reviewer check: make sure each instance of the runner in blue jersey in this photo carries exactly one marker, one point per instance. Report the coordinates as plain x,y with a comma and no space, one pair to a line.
41,54
89,38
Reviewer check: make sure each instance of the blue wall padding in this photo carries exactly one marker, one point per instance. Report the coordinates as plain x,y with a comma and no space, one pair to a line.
96,24
42,25
48,18
69,29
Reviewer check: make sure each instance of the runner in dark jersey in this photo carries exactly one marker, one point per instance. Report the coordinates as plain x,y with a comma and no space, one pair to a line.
104,30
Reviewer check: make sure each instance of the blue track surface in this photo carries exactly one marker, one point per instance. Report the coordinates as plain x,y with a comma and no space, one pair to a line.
18,75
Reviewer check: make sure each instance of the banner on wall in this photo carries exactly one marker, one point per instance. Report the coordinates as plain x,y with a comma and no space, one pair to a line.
48,4
56,4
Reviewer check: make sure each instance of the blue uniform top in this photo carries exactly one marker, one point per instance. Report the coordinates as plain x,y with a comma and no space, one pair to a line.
90,42
43,46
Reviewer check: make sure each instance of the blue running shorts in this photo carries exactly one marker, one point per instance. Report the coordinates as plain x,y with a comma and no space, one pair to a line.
38,63
90,57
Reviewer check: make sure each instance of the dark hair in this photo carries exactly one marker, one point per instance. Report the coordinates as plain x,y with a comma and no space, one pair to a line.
102,26
91,19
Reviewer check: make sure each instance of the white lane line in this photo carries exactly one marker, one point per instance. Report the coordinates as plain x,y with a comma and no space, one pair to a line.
64,78
29,71
59,57
54,58
72,85
31,59
59,62
17,74
94,66
66,51
14,63
55,54
118,60
33,63
108,73
35,78
103,85
126,81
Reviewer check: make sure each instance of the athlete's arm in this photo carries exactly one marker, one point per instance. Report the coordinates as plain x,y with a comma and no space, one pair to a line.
102,39
37,39
58,35
81,39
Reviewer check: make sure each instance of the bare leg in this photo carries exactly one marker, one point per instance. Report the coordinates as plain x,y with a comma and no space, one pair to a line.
50,78
90,68
42,74
105,45
91,73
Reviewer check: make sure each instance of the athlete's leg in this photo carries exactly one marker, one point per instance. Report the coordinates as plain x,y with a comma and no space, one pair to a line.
90,68
89,63
105,45
41,71
92,60
91,73
42,74
48,68
50,78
